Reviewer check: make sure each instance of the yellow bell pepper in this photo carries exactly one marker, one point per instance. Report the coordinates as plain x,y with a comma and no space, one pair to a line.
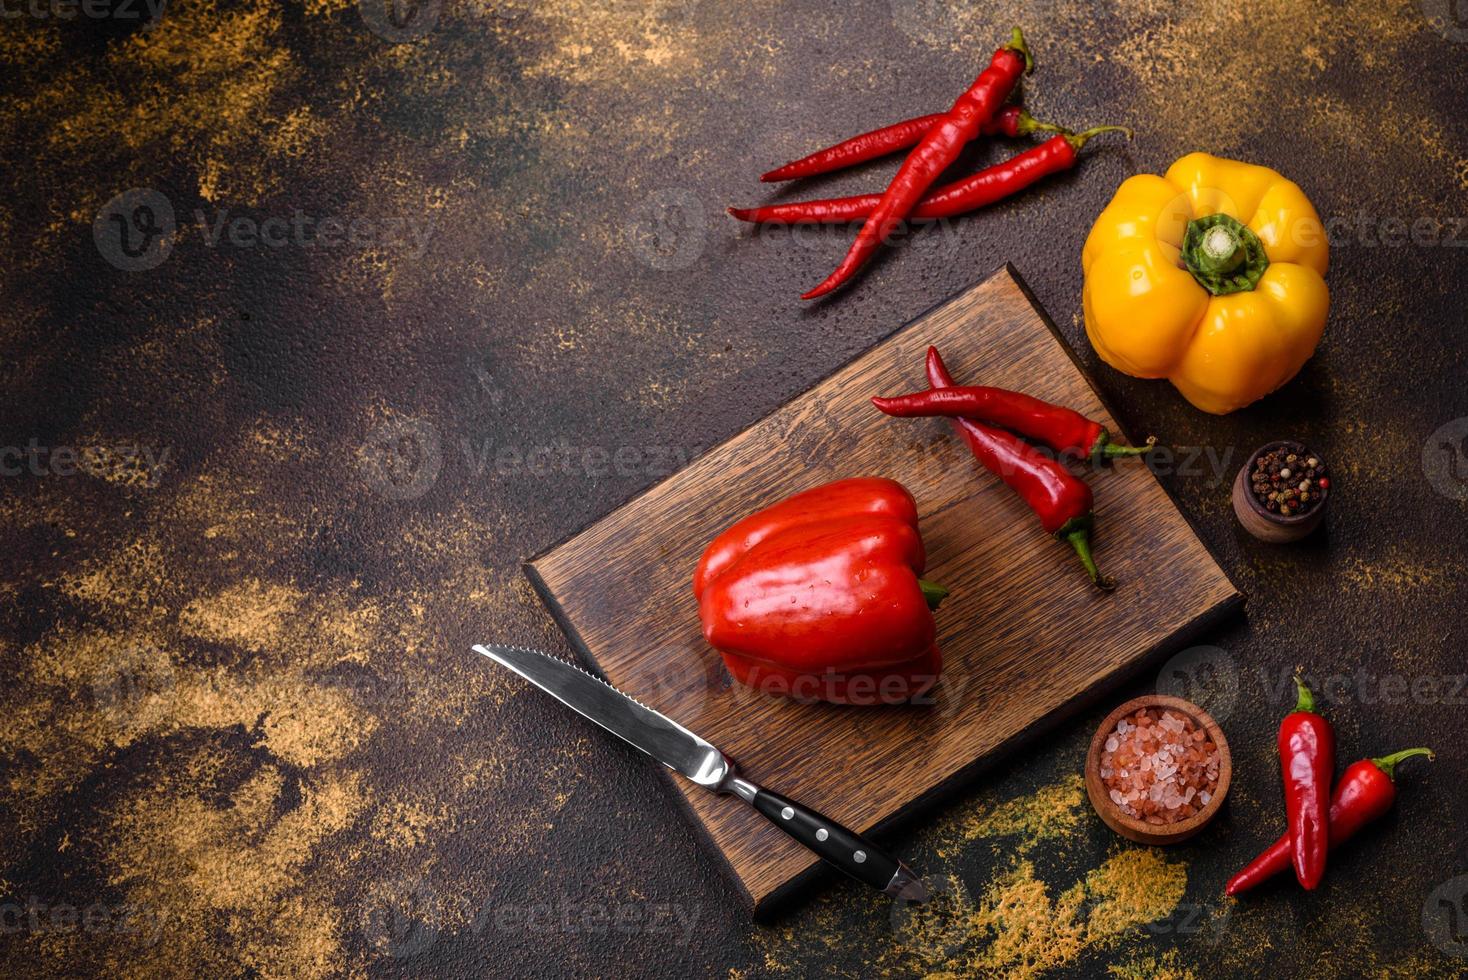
1211,276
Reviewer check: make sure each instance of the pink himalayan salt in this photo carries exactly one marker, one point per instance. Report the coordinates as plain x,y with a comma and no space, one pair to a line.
1159,766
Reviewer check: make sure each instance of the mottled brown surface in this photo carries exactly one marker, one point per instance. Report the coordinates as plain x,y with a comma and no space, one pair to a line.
239,726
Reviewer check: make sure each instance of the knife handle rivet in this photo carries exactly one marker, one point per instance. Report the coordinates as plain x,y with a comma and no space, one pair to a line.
859,856
787,813
822,834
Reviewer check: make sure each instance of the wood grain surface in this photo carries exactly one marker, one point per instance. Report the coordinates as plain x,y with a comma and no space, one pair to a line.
1025,638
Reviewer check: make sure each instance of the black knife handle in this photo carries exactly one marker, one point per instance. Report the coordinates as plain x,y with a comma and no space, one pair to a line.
850,852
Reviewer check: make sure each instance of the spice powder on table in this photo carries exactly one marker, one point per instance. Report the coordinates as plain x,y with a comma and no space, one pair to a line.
1159,766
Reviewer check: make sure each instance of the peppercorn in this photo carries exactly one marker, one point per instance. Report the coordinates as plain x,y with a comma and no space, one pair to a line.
1289,481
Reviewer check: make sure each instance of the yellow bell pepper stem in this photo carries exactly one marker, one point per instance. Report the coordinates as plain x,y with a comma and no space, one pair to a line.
1223,255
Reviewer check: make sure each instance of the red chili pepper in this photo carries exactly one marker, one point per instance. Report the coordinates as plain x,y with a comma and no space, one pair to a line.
969,194
1009,121
1062,502
1062,429
1365,792
1307,760
938,148
818,596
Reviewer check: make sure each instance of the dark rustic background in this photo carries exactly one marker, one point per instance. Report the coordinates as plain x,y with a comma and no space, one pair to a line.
438,289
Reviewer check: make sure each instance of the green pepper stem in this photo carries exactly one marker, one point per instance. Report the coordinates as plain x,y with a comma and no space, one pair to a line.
1106,449
1306,700
932,592
1028,124
1223,254
1080,540
1388,763
1078,140
1017,43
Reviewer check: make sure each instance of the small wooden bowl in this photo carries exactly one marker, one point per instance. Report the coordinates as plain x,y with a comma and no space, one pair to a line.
1139,830
1262,523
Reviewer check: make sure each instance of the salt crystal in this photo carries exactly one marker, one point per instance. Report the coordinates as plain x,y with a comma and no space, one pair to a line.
1155,765
1204,797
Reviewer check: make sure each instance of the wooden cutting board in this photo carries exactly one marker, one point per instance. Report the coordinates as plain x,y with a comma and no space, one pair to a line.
1025,638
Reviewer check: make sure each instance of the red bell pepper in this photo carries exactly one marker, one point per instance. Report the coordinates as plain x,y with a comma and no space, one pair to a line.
818,597
1307,761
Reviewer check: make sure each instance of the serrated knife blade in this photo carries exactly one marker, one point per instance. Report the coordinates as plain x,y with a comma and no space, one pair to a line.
697,759
625,717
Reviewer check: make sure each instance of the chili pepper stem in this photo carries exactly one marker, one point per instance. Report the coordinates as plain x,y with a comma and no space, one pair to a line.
1106,449
1306,700
1078,140
1017,43
1027,124
1388,763
933,592
1080,539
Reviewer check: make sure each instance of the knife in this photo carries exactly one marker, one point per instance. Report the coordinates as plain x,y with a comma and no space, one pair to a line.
684,752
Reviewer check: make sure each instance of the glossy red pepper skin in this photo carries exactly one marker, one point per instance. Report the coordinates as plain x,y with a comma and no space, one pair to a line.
1009,121
1062,429
818,597
1366,791
1062,502
1307,761
960,197
938,148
